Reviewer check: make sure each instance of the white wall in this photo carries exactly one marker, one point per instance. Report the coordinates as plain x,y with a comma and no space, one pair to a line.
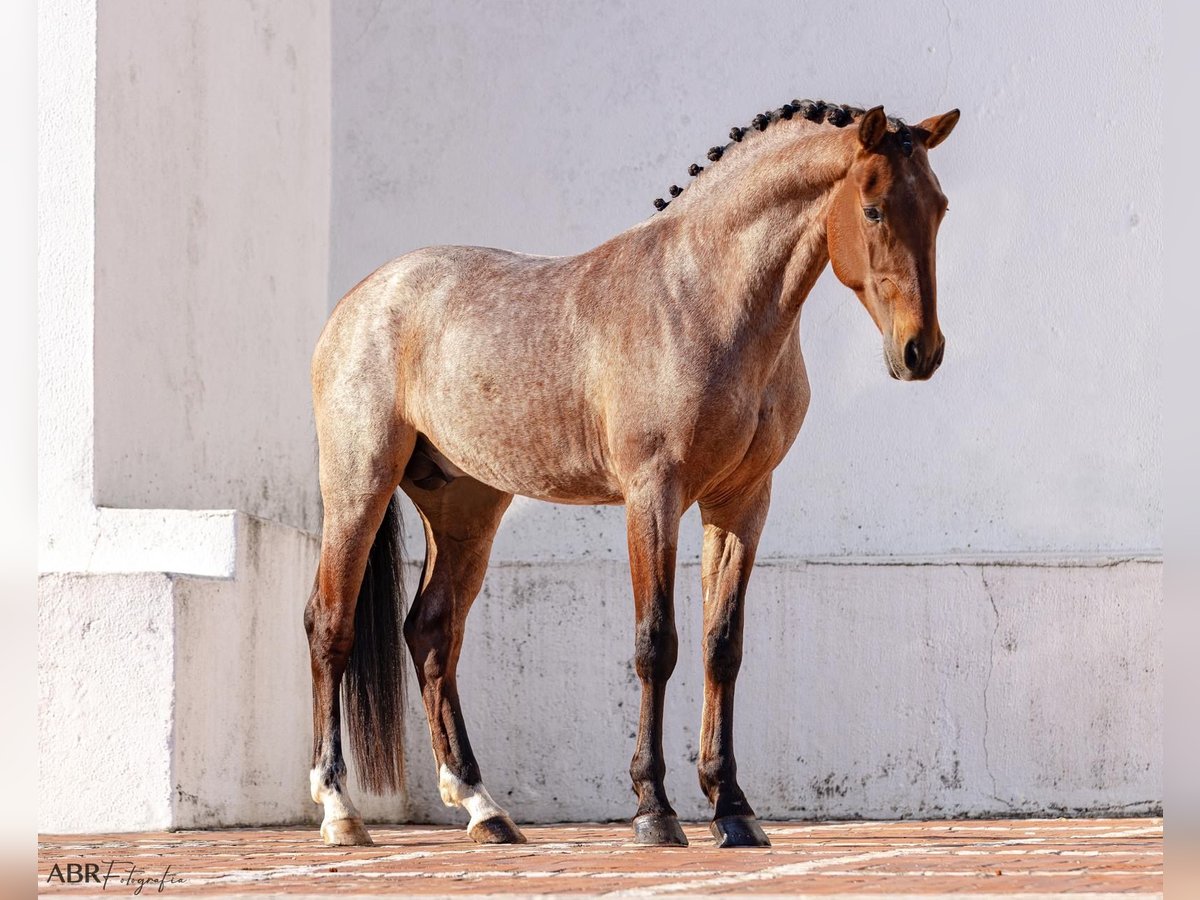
176,701
1017,667
873,690
66,254
183,171
212,229
958,606
548,127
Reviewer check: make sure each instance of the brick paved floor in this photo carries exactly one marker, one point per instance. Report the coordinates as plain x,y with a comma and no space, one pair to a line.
1081,857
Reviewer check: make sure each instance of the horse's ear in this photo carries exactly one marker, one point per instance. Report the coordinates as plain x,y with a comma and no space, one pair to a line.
936,129
872,127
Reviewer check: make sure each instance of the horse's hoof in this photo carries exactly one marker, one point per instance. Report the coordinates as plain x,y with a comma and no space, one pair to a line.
346,833
496,830
657,830
739,831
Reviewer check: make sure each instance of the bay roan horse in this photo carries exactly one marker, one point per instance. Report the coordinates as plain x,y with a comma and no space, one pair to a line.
658,370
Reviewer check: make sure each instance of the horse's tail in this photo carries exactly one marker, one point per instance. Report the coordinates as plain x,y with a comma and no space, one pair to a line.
373,689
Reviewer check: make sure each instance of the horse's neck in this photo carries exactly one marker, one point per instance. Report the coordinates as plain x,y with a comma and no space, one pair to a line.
761,234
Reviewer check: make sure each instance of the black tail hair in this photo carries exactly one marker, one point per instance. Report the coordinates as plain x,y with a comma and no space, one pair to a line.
373,689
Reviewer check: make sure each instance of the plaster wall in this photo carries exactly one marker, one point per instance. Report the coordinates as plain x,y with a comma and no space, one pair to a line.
105,698
66,253
548,127
177,700
171,382
868,690
212,229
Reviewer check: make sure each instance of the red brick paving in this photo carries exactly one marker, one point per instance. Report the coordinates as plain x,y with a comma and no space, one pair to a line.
1009,857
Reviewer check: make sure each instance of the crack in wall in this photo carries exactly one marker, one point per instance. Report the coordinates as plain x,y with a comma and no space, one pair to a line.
1036,561
987,686
375,15
949,54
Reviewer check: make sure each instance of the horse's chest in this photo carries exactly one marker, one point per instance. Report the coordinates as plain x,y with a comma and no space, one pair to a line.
747,437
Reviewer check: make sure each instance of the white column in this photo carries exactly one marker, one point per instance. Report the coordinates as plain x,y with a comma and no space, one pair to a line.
183,229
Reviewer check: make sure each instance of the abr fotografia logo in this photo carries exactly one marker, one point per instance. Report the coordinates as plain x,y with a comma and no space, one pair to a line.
115,872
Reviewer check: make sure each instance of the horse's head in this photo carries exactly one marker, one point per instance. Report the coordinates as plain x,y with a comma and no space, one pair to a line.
882,232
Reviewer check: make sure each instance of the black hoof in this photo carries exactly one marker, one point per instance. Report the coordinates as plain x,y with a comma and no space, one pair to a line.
739,831
657,830
496,830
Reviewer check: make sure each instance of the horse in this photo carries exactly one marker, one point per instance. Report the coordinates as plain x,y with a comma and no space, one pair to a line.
657,370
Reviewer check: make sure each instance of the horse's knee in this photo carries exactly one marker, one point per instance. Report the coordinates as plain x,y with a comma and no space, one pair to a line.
722,657
656,650
430,620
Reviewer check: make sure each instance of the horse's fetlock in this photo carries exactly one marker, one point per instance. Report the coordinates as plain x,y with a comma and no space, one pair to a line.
451,787
647,768
728,800
326,779
715,772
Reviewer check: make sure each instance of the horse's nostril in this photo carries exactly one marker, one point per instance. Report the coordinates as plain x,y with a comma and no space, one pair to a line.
912,355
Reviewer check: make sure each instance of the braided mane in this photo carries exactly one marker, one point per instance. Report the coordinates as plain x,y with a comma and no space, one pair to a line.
837,114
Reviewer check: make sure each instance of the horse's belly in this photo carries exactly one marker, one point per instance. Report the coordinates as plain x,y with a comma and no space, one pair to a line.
525,459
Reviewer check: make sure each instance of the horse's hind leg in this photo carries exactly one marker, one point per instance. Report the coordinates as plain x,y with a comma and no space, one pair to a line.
353,624
731,532
329,621
461,519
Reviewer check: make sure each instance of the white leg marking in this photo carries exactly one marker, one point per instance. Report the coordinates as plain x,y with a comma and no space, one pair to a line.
475,800
337,802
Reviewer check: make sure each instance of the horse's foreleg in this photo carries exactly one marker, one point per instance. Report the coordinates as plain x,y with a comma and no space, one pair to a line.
461,519
731,532
653,531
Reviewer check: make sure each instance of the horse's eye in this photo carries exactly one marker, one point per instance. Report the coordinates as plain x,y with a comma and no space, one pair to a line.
872,213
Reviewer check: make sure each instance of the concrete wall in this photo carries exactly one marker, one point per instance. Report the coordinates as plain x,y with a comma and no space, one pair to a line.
212,228
869,690
183,173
